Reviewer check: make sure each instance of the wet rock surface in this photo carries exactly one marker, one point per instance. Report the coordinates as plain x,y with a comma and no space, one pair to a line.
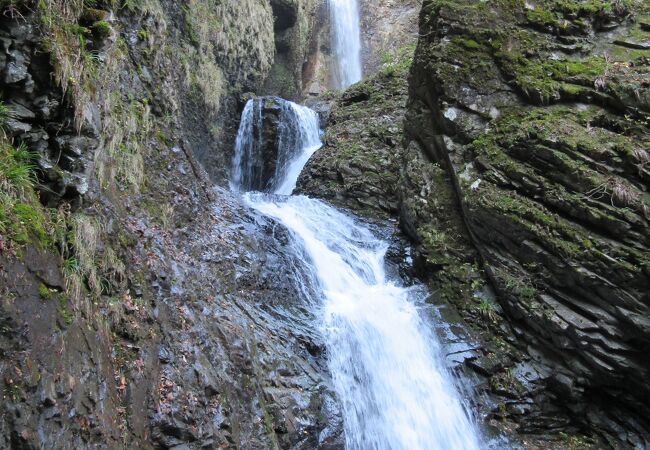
263,143
158,319
208,346
161,320
553,196
240,360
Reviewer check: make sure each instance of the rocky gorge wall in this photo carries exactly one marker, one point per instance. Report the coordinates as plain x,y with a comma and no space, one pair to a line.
142,308
522,181
138,308
521,105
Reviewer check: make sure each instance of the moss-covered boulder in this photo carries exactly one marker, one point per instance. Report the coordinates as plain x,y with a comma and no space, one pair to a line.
533,119
358,166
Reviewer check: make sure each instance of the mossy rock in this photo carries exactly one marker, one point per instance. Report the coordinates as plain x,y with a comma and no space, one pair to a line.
541,122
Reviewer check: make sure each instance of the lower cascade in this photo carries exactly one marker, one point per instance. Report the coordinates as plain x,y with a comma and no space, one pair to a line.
385,363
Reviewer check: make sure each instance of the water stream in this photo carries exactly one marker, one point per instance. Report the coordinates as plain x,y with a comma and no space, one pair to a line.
346,41
385,364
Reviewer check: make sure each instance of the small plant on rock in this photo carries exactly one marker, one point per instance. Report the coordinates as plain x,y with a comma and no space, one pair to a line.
487,311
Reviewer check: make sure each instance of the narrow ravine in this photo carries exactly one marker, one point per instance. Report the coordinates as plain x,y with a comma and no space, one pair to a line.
385,364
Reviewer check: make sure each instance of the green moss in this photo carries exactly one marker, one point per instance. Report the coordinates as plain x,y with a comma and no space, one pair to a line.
64,311
398,63
470,44
5,113
576,442
23,220
93,15
30,223
44,292
542,16
546,81
101,29
518,285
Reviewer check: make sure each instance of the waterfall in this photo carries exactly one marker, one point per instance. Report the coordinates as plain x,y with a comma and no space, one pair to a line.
385,364
297,138
246,169
346,41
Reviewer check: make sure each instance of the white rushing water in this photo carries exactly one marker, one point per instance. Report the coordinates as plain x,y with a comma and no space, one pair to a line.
346,41
385,363
298,137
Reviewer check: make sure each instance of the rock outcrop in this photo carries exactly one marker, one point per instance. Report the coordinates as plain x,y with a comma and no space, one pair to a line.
38,116
358,166
537,115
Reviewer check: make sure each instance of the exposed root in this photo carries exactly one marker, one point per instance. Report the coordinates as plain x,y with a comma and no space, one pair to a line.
617,191
642,157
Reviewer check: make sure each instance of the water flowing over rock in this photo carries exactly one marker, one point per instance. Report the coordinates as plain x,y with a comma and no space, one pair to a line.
272,133
143,306
385,364
518,176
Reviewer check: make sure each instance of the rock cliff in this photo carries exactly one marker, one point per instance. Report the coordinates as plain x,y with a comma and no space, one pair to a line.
538,114
140,307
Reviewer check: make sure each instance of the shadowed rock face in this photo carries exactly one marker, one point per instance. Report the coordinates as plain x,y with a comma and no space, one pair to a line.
538,117
295,22
38,114
285,13
183,332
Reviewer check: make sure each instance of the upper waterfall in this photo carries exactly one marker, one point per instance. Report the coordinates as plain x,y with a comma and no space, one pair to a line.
346,41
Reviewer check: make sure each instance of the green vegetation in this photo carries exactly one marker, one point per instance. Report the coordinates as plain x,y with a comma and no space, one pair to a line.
22,218
544,80
574,442
5,113
398,62
24,221
101,29
64,311
487,311
43,292
127,125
